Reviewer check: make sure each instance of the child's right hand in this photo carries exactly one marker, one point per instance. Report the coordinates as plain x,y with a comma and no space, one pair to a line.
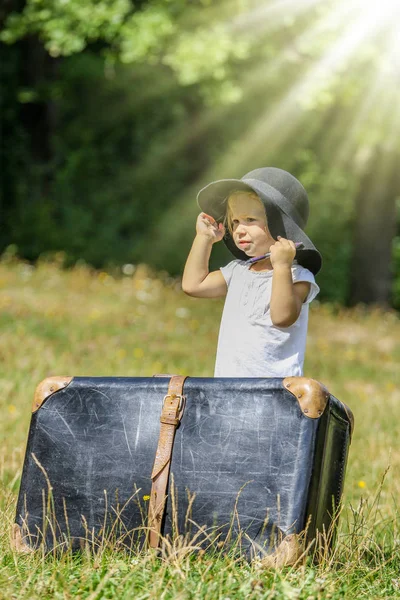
207,226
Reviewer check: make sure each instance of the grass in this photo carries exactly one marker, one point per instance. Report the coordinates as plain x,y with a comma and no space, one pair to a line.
83,322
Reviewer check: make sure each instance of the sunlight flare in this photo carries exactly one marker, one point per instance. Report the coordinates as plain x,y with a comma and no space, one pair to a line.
342,38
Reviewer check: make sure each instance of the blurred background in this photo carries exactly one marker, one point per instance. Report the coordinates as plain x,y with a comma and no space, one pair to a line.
114,113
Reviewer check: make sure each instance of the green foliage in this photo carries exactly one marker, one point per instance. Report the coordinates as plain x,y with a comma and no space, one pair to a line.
151,32
204,91
108,164
205,55
67,27
144,32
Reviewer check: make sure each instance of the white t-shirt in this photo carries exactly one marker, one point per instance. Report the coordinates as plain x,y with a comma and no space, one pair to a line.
249,345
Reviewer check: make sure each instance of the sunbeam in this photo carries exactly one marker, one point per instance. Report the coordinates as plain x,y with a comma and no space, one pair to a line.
312,101
356,27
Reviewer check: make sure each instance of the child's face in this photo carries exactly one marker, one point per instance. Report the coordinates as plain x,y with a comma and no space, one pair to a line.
249,224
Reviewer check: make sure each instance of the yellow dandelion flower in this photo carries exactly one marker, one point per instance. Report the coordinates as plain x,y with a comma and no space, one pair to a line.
12,409
94,314
138,353
361,484
390,386
145,498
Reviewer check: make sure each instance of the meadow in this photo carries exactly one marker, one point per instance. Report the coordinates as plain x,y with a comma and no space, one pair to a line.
137,323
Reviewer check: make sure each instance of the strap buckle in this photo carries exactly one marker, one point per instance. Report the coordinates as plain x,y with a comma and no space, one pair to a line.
180,397
172,410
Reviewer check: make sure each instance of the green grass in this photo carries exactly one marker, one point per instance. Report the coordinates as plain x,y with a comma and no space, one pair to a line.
82,322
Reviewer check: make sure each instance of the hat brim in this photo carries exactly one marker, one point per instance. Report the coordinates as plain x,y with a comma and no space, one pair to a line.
212,200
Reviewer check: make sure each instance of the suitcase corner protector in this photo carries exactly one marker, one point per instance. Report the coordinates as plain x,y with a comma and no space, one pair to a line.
311,395
17,541
290,552
46,388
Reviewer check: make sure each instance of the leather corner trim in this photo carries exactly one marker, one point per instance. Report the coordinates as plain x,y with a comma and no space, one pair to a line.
289,552
312,395
46,388
17,541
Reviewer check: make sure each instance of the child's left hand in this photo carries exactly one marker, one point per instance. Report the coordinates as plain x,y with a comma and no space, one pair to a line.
282,252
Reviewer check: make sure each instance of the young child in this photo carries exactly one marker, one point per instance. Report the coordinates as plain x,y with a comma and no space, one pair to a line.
264,322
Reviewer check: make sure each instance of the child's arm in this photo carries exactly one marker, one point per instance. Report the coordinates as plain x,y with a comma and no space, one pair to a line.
197,280
286,297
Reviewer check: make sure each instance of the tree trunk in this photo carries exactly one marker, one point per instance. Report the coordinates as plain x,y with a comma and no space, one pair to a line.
37,72
374,230
27,123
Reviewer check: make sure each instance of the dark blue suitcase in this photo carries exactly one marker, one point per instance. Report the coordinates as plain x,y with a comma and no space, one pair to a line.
256,462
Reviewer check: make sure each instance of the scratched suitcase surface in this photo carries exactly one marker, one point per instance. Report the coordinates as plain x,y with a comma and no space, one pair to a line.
263,457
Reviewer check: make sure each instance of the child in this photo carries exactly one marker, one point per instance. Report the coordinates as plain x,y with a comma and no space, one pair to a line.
264,323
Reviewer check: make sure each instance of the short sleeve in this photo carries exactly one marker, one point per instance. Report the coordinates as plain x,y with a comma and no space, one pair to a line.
229,269
302,274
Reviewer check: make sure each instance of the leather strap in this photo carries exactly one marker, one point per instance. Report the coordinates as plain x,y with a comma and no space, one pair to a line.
171,414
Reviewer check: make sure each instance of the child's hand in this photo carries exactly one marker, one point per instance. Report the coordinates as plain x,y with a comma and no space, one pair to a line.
282,252
207,226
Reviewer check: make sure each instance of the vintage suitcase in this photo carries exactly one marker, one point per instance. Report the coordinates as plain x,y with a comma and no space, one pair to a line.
254,460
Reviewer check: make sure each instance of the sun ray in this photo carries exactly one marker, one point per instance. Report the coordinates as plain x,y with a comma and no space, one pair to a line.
299,48
280,120
267,15
381,98
274,127
338,37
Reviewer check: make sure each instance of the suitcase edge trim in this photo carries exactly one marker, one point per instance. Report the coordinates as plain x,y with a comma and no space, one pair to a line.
17,541
47,387
311,395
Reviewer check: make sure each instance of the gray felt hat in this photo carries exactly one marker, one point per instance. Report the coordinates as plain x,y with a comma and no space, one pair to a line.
286,205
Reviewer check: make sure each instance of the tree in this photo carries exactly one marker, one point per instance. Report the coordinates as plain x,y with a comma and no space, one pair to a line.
375,227
38,35
312,90
185,36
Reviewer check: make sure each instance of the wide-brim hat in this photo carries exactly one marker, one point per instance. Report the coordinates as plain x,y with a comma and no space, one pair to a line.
286,205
